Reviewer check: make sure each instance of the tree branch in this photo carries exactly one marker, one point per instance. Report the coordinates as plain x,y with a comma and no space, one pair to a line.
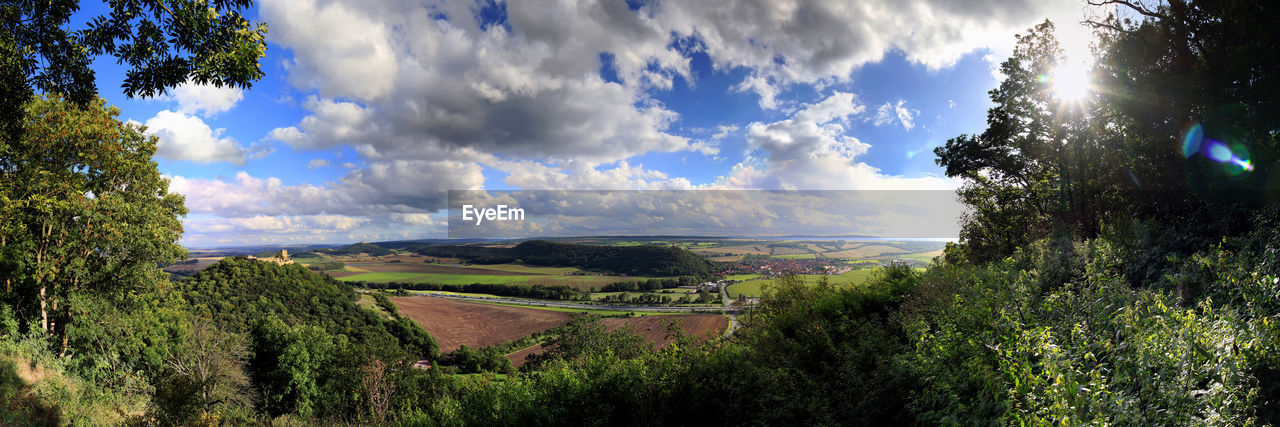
1142,10
1109,26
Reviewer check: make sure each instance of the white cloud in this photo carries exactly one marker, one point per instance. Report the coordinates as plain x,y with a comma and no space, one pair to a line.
184,137
413,218
317,163
534,175
791,42
723,131
205,99
396,186
462,91
811,150
891,112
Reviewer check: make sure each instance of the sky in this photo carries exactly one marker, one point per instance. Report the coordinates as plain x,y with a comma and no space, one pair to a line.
370,112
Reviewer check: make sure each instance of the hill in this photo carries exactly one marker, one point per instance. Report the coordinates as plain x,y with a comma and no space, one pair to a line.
357,249
239,294
642,260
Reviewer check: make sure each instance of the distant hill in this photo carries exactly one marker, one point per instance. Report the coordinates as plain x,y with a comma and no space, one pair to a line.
238,293
642,260
357,249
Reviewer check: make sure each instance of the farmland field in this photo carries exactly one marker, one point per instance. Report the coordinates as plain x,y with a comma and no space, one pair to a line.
796,256
444,279
455,323
755,288
506,274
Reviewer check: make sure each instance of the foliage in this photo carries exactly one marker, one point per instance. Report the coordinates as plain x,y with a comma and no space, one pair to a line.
642,260
238,294
358,249
164,43
585,336
326,266
205,379
469,360
84,210
557,292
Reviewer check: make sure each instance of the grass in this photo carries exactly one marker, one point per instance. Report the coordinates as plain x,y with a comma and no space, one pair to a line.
675,294
579,282
796,256
751,288
741,277
852,276
445,279
520,268
922,257
755,288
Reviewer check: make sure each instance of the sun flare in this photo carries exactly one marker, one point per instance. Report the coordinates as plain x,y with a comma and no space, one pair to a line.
1070,82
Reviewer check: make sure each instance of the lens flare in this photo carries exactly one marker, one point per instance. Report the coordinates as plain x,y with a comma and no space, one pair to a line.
1234,158
1191,140
1218,152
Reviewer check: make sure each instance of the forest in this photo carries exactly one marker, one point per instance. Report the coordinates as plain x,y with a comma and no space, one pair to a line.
642,260
1120,264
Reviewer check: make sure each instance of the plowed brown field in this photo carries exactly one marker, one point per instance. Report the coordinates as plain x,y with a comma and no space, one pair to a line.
454,323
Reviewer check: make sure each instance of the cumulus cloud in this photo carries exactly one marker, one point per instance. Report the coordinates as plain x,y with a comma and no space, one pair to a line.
205,99
413,218
811,150
317,163
278,229
815,42
398,186
534,175
184,137
460,89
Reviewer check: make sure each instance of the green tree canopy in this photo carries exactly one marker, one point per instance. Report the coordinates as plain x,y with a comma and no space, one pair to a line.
163,42
84,210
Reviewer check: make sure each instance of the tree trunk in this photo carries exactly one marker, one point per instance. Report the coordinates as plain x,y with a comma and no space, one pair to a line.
44,313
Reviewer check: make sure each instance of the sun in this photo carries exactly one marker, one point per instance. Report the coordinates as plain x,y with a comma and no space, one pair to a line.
1070,82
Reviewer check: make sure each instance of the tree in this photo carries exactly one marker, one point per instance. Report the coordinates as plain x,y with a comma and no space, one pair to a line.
377,389
85,210
1040,165
164,42
290,364
206,374
584,335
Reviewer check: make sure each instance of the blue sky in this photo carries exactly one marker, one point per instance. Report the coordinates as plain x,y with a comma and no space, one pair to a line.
369,113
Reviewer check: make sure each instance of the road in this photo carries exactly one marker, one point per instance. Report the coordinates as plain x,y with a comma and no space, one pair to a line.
728,305
726,309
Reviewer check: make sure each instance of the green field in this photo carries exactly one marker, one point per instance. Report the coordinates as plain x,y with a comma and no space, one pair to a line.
797,256
755,288
444,279
922,257
521,268
579,282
